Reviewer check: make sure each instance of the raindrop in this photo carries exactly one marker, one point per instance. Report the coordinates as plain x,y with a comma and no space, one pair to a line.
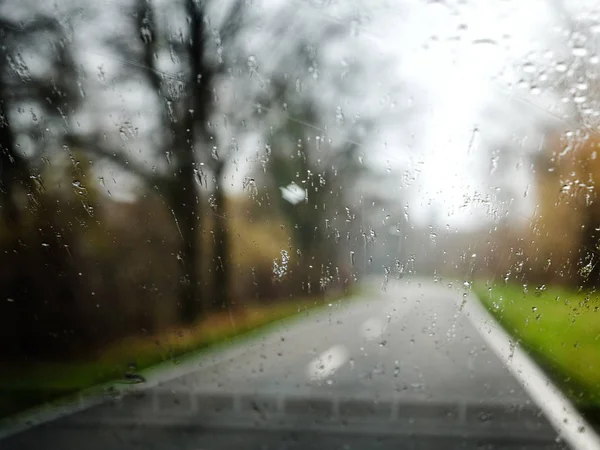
280,268
198,177
560,67
252,64
352,258
528,68
339,115
132,375
579,51
77,184
485,417
101,74
485,41
146,33
474,139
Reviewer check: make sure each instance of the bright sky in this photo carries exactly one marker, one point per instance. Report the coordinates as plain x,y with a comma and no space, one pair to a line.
455,62
463,60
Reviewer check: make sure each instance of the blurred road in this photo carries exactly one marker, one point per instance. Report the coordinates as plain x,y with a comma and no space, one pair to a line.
401,367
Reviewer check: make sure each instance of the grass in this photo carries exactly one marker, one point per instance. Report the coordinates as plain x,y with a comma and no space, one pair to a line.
560,328
26,386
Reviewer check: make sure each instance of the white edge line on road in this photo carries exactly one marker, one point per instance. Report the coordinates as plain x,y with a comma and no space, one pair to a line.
327,363
559,411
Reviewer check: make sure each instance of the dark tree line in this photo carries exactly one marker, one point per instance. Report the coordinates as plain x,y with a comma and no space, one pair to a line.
204,91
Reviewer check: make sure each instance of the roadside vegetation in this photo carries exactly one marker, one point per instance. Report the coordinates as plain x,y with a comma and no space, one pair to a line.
559,327
25,385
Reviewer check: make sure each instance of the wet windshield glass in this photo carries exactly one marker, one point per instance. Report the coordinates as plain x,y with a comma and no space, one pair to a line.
300,223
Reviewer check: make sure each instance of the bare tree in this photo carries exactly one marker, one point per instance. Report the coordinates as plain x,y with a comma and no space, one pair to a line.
184,136
46,92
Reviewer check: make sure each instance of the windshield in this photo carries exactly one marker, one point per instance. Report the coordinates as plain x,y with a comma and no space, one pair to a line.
299,224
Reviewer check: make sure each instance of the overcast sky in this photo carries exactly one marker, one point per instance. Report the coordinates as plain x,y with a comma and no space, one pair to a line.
455,62
464,59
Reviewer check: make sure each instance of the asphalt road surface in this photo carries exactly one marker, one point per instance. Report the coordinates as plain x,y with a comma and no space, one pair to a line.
396,368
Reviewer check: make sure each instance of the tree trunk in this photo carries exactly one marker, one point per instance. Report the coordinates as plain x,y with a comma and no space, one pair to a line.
183,202
13,169
221,288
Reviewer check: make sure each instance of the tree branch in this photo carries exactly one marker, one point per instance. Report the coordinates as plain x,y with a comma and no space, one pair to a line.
91,146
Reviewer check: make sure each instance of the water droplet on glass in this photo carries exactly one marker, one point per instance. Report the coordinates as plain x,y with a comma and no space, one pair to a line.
101,74
252,64
528,68
560,67
339,115
132,375
579,51
280,267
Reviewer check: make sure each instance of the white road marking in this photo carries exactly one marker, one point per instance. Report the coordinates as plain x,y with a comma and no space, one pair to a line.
372,328
565,419
327,363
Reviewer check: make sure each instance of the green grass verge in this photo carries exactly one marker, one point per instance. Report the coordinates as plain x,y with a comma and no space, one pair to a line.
26,386
560,328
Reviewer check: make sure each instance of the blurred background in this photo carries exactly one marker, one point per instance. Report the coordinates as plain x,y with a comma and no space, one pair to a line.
173,172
